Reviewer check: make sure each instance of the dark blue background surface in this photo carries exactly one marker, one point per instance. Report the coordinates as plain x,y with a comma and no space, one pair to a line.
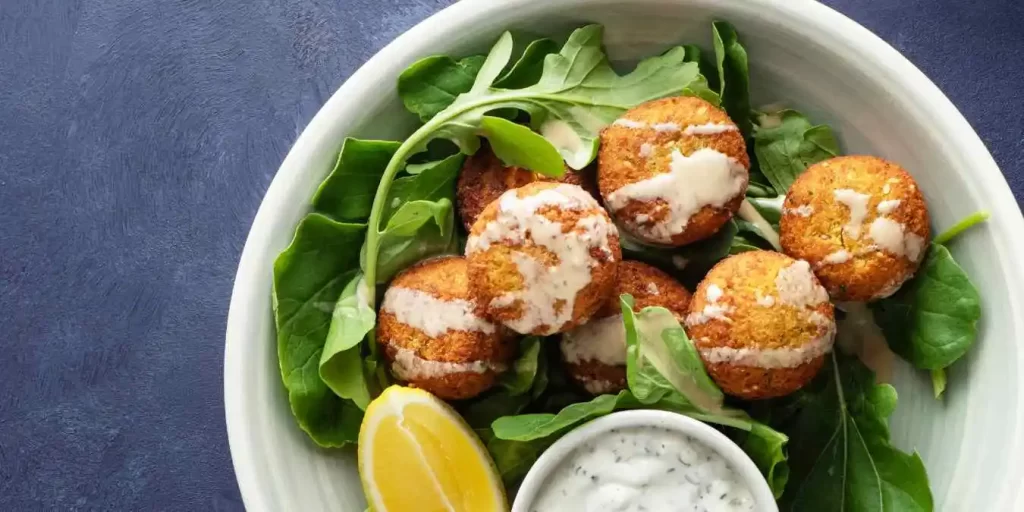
137,138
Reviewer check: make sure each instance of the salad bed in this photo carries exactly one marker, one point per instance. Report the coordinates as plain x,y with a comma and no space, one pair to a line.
389,204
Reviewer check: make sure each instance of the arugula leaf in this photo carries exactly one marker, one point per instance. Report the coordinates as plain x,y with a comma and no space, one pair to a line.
734,76
520,146
429,85
577,94
786,144
309,276
844,460
529,67
660,357
341,364
347,193
933,320
706,66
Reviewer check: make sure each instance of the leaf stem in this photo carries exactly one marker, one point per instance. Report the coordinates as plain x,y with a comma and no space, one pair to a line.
750,214
965,224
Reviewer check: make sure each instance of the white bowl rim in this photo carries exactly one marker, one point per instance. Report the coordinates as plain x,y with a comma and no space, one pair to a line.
717,441
251,277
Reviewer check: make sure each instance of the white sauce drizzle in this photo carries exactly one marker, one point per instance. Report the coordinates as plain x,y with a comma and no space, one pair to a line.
602,340
646,150
797,286
567,141
653,289
545,287
669,127
409,366
858,205
598,387
804,210
888,206
712,310
893,237
705,178
836,258
772,357
432,315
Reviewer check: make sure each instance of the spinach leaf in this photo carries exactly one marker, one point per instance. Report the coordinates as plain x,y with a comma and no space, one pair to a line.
734,76
418,230
933,320
577,94
432,181
431,84
347,193
309,276
519,146
660,357
786,144
529,67
516,389
341,364
530,427
844,460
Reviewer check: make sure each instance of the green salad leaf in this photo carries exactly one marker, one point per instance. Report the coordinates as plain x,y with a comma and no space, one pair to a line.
309,276
528,69
432,181
432,83
347,193
341,364
843,459
516,389
733,74
520,146
576,95
660,358
932,321
786,144
418,230
938,382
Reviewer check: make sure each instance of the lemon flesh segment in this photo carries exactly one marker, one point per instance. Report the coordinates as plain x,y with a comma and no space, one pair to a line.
417,454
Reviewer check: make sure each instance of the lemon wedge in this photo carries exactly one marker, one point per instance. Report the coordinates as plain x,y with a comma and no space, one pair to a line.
417,454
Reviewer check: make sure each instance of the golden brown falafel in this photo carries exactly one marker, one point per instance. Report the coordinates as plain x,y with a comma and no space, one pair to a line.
595,353
762,323
434,334
543,257
860,221
484,177
673,171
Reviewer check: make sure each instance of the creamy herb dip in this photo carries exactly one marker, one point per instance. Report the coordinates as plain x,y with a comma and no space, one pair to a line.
647,468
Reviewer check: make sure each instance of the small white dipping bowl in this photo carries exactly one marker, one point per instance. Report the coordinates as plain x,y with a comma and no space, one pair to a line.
713,439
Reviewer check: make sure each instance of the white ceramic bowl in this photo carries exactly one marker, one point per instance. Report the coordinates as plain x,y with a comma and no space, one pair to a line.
717,441
802,54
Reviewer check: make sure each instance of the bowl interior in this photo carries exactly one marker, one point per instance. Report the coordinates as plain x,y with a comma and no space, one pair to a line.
801,54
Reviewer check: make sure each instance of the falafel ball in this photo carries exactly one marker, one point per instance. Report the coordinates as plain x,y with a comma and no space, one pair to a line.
762,324
595,352
673,171
860,221
543,257
435,336
484,177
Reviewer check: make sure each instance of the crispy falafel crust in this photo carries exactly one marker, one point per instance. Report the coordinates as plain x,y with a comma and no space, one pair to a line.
484,177
620,162
868,274
446,278
494,272
744,278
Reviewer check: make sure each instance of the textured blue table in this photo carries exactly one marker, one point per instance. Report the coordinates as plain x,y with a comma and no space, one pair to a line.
137,138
